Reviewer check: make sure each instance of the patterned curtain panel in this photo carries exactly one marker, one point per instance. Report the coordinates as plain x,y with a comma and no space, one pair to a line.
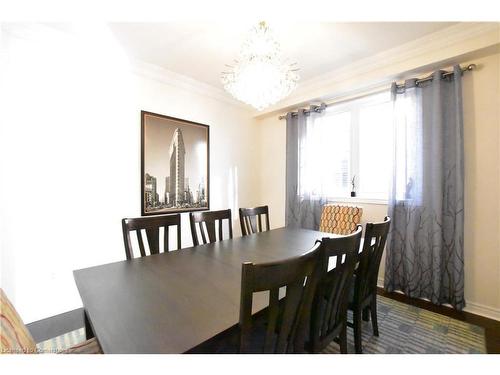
305,195
426,245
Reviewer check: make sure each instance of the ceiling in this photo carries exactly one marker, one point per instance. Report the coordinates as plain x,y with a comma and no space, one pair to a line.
201,50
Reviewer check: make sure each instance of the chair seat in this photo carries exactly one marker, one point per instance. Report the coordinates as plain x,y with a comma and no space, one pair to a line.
332,336
87,347
229,342
351,292
363,303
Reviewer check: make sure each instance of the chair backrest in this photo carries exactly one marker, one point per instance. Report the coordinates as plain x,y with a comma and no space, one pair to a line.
14,336
334,273
251,219
206,223
151,225
340,219
369,259
286,318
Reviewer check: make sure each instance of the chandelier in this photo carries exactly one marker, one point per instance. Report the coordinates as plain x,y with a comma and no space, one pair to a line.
260,77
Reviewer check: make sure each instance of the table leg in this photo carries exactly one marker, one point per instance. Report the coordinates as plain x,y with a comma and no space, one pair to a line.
89,333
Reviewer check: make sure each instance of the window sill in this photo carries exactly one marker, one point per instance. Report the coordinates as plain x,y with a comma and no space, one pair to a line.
382,202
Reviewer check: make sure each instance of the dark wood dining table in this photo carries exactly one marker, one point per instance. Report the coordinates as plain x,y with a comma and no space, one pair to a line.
173,302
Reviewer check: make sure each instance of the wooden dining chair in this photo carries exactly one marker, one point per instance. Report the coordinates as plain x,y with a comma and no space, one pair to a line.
205,222
151,225
364,297
331,299
251,219
283,327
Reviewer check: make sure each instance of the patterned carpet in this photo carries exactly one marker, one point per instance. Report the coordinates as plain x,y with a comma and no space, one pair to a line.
410,330
403,329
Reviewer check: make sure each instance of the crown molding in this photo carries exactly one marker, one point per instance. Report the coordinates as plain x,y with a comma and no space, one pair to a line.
379,69
157,73
367,73
35,31
450,36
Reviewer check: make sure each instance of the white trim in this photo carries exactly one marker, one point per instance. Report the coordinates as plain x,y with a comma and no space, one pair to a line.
482,310
445,46
34,32
429,43
380,282
168,77
381,202
472,307
354,108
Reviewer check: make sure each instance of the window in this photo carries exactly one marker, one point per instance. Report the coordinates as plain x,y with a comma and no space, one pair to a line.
351,139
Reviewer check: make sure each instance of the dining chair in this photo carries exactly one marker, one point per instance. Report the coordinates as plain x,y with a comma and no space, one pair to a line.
334,274
364,296
16,339
206,222
151,225
283,326
251,219
340,219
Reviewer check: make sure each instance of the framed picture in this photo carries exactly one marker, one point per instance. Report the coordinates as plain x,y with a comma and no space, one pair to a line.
175,165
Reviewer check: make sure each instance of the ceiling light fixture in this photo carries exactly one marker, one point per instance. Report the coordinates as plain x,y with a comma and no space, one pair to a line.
260,77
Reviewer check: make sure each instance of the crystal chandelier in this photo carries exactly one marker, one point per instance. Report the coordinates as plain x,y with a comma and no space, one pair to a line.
260,77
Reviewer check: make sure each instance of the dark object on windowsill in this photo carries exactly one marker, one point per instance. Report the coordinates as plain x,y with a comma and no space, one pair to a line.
353,193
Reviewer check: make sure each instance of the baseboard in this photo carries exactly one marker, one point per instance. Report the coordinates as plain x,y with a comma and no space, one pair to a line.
482,310
380,282
472,307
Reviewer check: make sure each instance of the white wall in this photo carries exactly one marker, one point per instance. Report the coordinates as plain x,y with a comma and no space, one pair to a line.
481,101
70,158
70,162
482,182
272,167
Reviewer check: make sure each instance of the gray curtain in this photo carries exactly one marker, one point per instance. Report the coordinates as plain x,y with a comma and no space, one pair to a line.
425,249
303,207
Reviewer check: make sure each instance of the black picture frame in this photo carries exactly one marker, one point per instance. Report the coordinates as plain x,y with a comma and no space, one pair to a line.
153,205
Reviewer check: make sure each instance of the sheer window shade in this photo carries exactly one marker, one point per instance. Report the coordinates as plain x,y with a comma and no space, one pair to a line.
352,139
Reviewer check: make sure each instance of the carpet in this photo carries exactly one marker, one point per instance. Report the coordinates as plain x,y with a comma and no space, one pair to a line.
403,329
406,329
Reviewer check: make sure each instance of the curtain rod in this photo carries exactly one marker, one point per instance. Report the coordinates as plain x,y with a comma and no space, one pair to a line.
425,79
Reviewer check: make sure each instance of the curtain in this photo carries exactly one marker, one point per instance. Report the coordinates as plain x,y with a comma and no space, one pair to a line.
305,195
425,248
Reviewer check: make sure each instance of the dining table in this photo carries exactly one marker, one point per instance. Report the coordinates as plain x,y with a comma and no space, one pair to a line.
175,301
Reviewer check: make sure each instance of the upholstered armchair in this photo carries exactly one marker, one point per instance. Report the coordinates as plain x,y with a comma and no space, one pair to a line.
16,339
340,219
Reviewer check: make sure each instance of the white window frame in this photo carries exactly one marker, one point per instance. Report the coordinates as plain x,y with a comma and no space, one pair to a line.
353,106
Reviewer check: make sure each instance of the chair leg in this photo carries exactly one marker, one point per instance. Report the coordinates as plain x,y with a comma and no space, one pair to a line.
373,310
357,331
89,333
365,315
343,340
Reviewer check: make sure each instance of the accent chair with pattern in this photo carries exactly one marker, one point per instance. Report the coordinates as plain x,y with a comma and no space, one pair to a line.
14,336
340,219
16,339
